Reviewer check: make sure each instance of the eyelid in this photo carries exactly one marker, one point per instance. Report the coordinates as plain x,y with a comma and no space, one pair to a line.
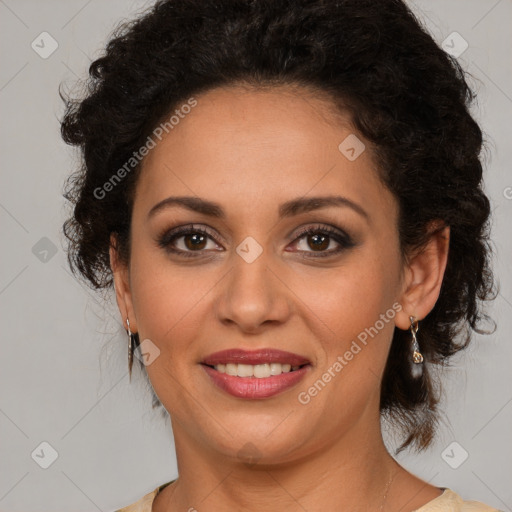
323,228
166,236
343,239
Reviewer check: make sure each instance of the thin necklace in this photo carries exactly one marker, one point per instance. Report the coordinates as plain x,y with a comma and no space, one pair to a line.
388,485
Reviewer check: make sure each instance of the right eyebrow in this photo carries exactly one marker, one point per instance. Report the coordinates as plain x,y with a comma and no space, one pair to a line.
191,203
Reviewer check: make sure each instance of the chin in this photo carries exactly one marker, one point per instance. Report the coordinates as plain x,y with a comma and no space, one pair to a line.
252,445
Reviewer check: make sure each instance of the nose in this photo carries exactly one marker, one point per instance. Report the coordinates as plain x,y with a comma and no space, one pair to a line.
252,297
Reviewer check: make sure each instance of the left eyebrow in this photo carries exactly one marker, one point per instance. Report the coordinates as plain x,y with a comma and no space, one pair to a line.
302,205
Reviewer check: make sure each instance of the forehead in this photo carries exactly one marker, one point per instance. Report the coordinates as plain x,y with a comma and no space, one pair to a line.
251,145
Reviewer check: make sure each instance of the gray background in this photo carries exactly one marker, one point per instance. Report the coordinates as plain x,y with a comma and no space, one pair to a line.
63,370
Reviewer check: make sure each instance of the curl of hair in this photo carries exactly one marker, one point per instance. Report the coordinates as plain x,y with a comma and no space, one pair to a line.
406,97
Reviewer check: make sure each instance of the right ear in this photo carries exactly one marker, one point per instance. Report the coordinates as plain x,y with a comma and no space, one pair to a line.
121,275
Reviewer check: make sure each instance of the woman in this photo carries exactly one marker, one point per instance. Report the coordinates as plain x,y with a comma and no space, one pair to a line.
287,199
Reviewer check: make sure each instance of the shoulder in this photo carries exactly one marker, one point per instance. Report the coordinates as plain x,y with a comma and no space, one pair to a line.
450,501
143,505
146,502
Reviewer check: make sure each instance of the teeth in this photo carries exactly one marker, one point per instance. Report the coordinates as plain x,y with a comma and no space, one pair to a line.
260,371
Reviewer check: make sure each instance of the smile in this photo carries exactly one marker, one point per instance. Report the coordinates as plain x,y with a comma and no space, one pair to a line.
260,371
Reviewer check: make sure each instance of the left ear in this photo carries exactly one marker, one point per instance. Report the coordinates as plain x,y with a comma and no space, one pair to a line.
423,276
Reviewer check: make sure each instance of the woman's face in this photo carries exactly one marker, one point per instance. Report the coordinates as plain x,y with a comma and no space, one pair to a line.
255,281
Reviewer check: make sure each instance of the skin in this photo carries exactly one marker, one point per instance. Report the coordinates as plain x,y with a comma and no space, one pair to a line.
250,150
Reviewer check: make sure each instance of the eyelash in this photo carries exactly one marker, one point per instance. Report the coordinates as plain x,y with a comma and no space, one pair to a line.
344,240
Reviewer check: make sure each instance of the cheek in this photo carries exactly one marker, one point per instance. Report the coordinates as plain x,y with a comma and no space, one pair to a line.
170,311
168,300
350,313
345,300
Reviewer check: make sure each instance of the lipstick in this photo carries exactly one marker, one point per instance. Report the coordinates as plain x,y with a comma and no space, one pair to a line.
251,387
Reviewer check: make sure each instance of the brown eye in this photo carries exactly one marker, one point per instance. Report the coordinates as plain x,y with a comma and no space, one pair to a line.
188,241
196,241
318,242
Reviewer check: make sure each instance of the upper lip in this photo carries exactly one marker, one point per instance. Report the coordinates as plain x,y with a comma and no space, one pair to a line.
253,357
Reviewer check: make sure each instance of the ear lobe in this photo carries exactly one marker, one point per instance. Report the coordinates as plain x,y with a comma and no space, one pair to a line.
121,285
424,276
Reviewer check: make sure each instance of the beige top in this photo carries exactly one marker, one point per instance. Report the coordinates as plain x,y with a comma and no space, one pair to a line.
449,501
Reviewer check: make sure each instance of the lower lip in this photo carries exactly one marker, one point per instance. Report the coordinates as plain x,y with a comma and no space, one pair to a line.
253,388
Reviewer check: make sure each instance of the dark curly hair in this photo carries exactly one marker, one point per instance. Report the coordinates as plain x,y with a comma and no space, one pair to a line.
404,94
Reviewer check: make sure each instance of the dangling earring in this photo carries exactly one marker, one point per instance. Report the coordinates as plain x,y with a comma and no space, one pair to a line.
417,357
131,344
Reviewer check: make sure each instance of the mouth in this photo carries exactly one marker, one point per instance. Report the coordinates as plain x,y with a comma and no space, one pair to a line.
258,371
255,374
260,363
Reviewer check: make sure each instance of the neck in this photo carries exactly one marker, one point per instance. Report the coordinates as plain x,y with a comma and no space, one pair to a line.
353,473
